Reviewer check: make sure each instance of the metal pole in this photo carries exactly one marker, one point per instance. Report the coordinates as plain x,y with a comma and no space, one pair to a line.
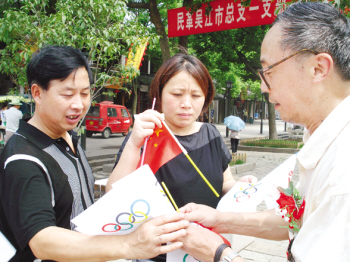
261,110
227,109
228,90
83,135
229,85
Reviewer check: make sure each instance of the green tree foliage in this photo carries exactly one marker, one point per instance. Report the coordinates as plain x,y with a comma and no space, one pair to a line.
103,29
230,55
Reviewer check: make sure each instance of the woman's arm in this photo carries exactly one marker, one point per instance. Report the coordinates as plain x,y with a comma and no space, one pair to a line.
229,181
143,127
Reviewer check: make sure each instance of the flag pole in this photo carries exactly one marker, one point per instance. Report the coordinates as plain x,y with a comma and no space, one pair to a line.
201,174
170,197
145,144
191,161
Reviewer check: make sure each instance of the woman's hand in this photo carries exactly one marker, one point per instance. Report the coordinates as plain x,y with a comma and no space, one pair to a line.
248,179
144,125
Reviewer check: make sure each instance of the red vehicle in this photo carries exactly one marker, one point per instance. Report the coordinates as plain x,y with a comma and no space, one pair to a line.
108,118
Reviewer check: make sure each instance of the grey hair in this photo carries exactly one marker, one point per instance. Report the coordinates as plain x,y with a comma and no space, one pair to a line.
320,27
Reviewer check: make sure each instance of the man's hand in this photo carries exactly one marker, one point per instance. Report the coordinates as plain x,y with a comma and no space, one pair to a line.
201,243
146,241
204,215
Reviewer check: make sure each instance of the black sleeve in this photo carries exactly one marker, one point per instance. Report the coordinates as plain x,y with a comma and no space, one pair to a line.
227,157
120,152
26,197
121,149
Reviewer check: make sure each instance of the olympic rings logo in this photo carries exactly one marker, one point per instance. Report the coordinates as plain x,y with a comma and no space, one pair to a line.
244,195
184,259
125,220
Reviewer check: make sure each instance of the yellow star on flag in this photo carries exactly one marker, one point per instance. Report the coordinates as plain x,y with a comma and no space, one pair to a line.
157,131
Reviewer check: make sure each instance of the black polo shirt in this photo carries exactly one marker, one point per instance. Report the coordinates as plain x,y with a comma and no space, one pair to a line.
42,183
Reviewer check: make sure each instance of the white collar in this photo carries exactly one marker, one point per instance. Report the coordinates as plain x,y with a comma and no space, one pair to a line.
316,144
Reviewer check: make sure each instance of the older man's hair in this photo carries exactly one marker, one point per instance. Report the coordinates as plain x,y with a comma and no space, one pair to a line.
320,27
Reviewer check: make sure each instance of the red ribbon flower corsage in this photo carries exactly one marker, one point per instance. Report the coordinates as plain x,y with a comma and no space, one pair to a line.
291,206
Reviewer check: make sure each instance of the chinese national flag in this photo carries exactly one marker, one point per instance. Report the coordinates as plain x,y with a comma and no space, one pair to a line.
161,148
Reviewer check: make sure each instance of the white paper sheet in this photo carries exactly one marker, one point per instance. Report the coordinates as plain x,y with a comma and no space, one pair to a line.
179,256
280,176
133,200
7,251
242,197
245,197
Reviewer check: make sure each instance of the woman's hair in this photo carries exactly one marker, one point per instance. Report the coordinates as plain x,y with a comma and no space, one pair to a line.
182,63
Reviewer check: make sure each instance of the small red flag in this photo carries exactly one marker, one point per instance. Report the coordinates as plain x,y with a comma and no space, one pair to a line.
161,148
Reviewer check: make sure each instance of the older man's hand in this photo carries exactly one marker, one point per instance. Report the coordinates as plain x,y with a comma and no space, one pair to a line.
201,243
204,215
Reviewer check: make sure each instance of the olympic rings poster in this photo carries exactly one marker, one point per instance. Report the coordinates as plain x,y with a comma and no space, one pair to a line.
7,251
179,256
245,197
133,200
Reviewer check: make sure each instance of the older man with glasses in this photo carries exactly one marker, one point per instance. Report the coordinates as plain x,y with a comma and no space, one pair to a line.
305,60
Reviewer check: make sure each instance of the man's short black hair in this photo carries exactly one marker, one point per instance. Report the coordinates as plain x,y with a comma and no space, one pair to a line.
55,62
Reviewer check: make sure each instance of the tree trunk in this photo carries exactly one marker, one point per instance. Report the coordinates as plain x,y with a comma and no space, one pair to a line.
158,23
160,29
183,40
271,108
134,102
272,119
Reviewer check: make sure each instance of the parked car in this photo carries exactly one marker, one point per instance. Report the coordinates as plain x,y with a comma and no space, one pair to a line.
107,118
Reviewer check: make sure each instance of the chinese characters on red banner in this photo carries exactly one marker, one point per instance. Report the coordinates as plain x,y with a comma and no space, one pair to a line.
225,15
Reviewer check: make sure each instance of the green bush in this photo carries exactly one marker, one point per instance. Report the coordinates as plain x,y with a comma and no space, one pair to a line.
238,162
274,143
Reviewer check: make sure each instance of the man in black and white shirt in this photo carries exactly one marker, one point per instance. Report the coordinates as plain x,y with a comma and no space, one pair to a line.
45,179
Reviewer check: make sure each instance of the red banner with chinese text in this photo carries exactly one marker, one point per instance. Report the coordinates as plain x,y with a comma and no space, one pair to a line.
225,15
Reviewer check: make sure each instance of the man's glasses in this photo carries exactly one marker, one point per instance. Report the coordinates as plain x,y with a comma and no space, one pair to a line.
263,71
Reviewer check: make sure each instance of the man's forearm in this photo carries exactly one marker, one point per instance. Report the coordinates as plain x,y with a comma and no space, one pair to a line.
73,246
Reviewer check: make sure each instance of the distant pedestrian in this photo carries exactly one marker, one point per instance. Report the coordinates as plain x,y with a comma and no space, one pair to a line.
234,135
12,117
245,116
2,115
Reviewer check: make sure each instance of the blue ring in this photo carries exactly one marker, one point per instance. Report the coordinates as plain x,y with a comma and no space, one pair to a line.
132,207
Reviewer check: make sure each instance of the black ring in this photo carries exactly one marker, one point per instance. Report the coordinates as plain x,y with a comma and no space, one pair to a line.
219,251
